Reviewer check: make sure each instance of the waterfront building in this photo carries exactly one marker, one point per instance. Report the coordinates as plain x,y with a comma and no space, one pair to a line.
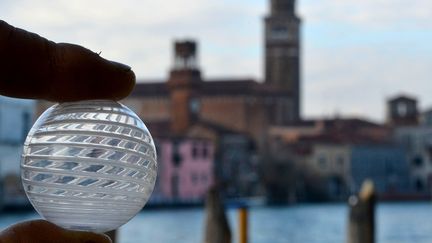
342,168
16,117
238,168
385,165
417,140
187,104
331,158
185,170
331,163
243,105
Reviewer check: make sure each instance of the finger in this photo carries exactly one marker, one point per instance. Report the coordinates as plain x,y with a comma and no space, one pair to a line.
34,67
41,231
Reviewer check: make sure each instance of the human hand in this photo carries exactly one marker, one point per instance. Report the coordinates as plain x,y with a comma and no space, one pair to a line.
41,231
33,67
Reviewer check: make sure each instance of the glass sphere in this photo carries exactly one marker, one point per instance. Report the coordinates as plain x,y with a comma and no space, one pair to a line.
89,165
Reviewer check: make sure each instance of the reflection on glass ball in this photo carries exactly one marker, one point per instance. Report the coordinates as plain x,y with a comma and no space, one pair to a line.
89,165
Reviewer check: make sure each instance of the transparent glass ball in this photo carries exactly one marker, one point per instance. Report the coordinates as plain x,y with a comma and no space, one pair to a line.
89,165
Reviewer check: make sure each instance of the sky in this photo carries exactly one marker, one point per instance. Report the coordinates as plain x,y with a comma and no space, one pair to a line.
355,54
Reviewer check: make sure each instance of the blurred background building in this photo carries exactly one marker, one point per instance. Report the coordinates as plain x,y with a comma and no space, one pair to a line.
16,119
185,170
234,114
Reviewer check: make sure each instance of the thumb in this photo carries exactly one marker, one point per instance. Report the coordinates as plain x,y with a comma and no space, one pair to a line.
41,231
85,237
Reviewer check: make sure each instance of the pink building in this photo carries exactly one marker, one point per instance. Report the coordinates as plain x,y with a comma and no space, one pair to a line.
185,169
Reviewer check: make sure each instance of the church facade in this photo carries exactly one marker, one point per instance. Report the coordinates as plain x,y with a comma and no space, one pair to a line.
173,106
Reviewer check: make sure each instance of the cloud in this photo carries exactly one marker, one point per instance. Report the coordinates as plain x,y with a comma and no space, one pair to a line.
359,81
359,53
140,33
380,14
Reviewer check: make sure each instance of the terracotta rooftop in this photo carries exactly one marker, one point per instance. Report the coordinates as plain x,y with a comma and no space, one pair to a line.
150,88
335,131
209,87
347,123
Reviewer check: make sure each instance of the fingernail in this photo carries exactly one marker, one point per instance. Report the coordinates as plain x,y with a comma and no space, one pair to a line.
121,66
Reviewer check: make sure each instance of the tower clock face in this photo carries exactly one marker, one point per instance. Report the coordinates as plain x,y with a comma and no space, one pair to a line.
194,105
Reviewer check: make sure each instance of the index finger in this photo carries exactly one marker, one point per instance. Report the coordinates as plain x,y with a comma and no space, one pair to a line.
36,68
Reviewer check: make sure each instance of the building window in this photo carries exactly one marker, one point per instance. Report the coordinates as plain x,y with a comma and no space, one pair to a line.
205,151
417,161
322,162
194,151
419,185
177,158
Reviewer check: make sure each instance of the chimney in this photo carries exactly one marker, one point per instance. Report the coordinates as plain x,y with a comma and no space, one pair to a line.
183,83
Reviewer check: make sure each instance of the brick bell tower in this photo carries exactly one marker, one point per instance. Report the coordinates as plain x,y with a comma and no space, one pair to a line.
184,80
282,50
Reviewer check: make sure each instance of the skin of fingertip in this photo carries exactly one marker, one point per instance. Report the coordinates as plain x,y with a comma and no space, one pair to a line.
36,68
41,231
82,75
86,237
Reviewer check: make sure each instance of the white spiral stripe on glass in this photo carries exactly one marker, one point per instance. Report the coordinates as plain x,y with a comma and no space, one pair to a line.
89,165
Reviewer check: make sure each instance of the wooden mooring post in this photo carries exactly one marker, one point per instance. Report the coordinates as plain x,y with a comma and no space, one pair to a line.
361,222
243,224
217,229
